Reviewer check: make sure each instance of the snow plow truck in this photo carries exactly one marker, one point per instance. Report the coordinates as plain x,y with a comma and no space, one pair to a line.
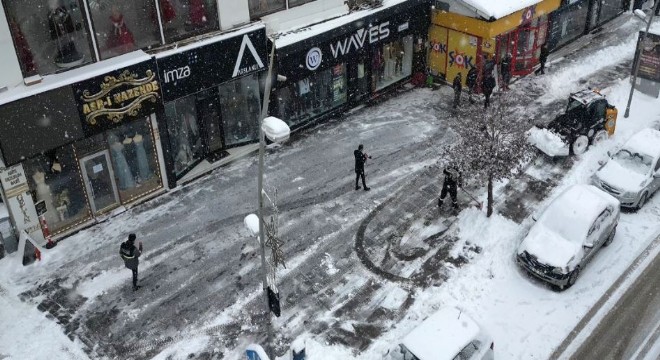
588,119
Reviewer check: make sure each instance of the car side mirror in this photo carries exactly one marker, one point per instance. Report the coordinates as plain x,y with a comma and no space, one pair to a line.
602,162
609,154
588,245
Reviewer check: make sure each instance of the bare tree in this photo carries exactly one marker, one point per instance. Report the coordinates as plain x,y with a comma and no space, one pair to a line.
491,143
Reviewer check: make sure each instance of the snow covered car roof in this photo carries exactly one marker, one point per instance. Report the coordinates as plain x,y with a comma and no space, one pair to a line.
442,335
645,142
500,8
572,213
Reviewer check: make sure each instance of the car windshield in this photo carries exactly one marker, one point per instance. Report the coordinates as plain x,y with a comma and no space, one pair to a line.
633,161
573,104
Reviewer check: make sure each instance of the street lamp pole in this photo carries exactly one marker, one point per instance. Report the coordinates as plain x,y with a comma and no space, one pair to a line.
260,187
638,52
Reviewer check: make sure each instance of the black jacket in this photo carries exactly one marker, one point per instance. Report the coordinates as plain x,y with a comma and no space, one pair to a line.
471,79
543,57
452,176
488,85
360,158
131,254
457,85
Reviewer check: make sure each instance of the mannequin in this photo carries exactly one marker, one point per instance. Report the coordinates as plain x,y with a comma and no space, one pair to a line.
167,10
61,25
197,14
126,180
120,37
43,193
142,160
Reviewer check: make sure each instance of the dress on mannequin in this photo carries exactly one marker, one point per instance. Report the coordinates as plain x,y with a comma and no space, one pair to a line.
167,10
143,162
126,180
197,15
120,37
61,25
43,193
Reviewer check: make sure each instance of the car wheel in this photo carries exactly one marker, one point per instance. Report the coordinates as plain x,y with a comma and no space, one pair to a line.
580,145
642,200
599,137
610,237
573,278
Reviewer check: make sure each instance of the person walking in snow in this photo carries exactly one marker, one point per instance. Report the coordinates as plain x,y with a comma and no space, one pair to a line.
487,87
458,87
471,82
453,179
131,254
360,159
543,57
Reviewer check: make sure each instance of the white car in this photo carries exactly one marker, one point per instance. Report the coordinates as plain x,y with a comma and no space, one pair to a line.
632,175
449,334
566,236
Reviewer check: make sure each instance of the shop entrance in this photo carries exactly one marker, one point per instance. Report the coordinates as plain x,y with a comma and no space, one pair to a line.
358,79
523,44
209,117
100,181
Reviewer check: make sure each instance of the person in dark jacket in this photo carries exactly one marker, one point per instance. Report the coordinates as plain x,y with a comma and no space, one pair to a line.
505,70
458,87
471,82
453,179
131,254
360,159
487,87
543,57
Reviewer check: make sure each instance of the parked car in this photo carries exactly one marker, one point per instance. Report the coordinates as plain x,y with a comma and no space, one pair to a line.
567,234
449,334
632,174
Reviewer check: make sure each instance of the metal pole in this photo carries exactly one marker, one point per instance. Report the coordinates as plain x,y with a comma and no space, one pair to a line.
638,52
260,184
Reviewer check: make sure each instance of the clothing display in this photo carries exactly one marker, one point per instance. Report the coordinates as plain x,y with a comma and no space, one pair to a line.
120,37
197,16
44,194
167,10
122,170
61,26
24,52
141,154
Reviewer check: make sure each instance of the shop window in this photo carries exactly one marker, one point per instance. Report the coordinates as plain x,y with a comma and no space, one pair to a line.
312,96
188,17
262,7
184,134
240,108
392,62
293,3
49,35
55,179
134,161
122,26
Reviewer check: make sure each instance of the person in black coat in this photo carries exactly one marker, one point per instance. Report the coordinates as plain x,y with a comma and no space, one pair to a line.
458,87
487,87
543,57
360,159
453,179
471,82
131,254
505,70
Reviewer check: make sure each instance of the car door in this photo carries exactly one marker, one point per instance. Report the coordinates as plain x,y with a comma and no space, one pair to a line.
597,234
655,181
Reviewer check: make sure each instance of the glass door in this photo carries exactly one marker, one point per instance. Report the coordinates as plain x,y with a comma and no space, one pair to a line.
209,116
100,181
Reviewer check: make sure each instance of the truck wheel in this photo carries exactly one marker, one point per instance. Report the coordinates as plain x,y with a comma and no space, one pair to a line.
580,145
600,137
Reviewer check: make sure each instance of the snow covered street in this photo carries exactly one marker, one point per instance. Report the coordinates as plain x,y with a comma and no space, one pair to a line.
346,290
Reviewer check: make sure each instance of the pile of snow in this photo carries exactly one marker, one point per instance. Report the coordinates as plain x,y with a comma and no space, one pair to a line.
547,141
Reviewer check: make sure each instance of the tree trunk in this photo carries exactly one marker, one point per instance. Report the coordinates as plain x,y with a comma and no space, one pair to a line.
489,212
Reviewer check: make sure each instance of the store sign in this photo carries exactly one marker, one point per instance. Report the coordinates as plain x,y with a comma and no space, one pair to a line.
123,95
12,177
357,40
314,58
649,61
528,14
200,68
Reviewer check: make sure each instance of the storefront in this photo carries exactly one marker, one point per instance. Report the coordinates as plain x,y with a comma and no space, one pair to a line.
602,11
567,23
342,63
458,43
82,150
212,96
